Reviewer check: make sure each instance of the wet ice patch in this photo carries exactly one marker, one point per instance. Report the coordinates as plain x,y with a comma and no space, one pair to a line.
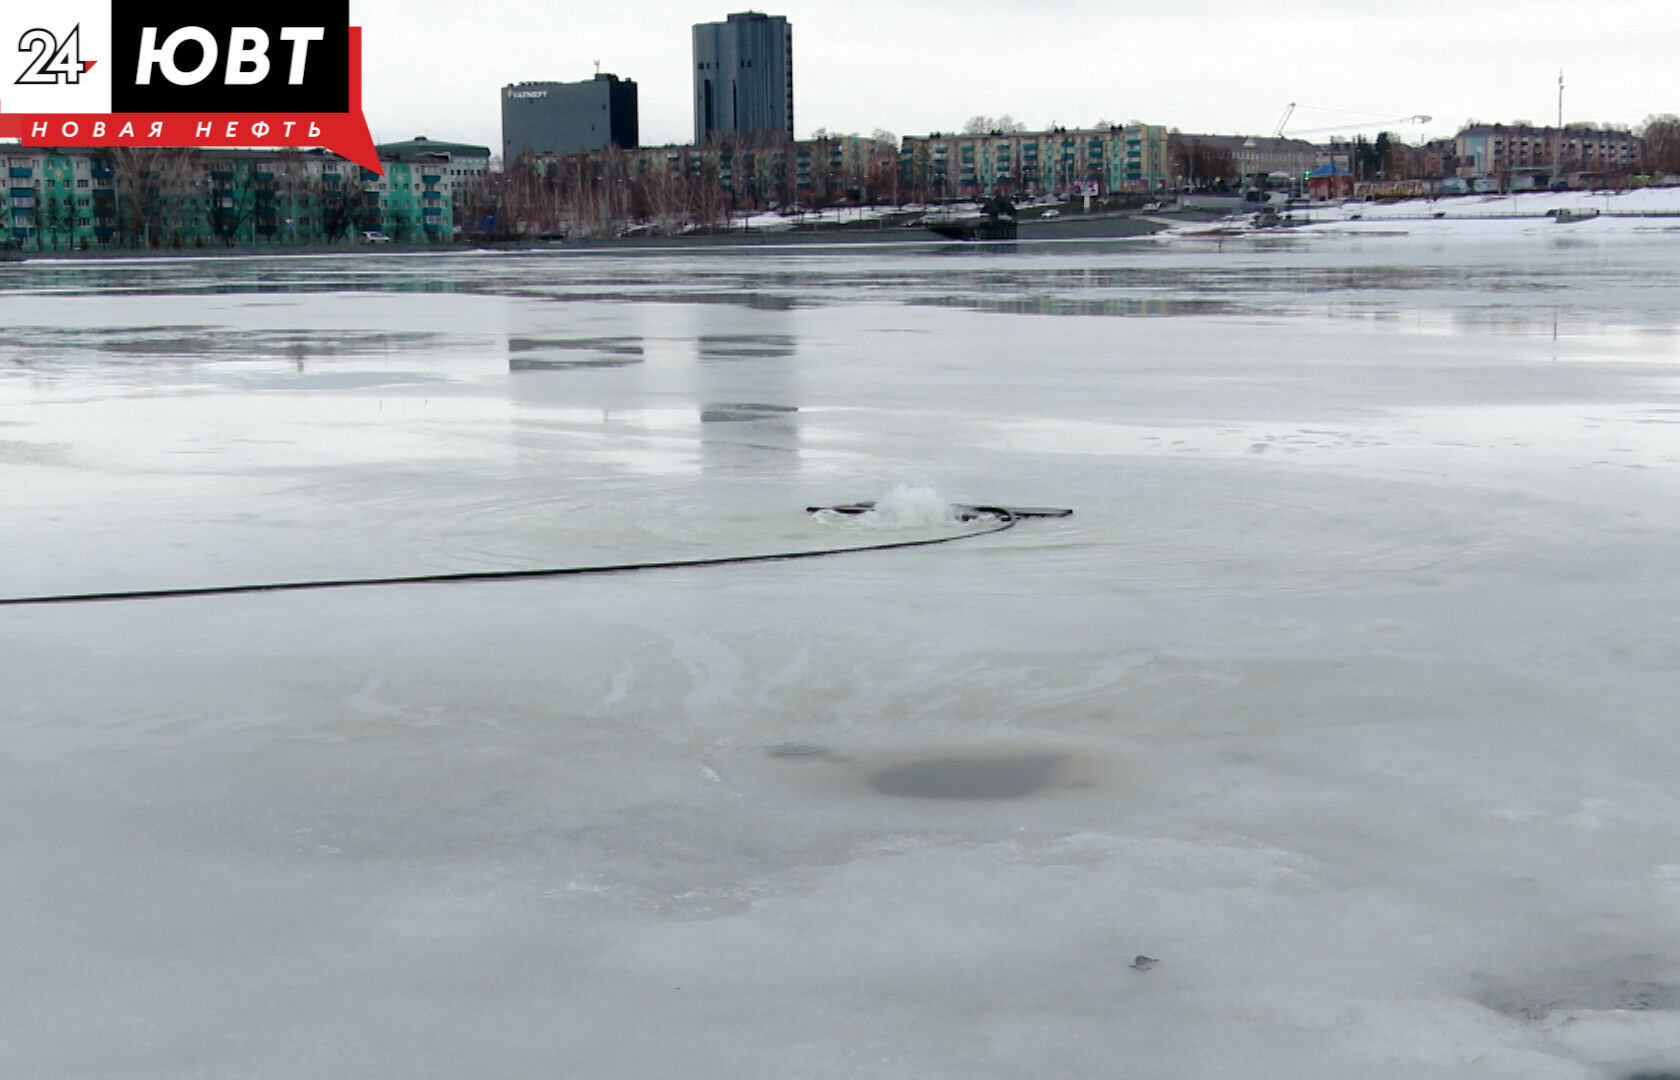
958,776
1639,983
985,776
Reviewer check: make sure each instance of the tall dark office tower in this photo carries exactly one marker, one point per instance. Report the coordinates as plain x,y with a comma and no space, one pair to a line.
743,77
567,118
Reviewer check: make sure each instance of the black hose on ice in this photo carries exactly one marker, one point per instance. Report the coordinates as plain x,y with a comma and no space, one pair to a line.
1001,517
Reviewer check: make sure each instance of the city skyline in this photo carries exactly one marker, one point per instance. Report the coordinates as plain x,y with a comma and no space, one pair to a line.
931,66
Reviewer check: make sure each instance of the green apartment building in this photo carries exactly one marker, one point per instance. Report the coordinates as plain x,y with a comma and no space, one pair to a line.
1063,162
82,198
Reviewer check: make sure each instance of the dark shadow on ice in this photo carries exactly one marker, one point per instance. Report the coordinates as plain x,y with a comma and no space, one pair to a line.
993,777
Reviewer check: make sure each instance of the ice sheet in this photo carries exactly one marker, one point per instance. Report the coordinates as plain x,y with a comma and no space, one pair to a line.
1347,693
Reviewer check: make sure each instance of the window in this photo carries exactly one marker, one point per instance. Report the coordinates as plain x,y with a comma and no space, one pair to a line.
81,183
82,221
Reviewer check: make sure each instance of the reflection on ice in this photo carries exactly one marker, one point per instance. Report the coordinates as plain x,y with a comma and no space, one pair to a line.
745,346
562,354
729,413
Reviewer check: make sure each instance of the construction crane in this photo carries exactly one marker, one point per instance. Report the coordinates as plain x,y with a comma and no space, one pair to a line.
1416,118
1277,132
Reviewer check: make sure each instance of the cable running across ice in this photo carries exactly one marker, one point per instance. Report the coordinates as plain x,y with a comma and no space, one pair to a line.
1000,517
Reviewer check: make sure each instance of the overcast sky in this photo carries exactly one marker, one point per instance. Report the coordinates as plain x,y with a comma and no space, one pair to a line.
435,67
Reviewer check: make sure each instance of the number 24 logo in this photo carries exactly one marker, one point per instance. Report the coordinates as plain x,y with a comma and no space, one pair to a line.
53,63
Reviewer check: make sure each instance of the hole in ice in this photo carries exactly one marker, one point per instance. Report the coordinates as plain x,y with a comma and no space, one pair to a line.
1010,776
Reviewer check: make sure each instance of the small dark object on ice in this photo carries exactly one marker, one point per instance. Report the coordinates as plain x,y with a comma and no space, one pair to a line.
1144,963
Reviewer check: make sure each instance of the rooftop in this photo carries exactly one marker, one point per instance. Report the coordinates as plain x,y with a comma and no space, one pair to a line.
420,146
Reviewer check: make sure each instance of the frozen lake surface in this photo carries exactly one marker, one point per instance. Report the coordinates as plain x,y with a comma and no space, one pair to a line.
1348,695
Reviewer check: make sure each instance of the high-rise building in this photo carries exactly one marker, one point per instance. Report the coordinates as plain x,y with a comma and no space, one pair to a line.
541,118
743,77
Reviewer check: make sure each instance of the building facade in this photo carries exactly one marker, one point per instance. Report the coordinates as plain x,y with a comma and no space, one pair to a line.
415,199
80,198
1099,160
743,79
1499,149
552,118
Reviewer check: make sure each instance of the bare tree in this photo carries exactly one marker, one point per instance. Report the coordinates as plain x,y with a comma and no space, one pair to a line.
1199,165
156,186
294,192
49,218
233,199
989,125
665,197
1661,135
337,196
483,204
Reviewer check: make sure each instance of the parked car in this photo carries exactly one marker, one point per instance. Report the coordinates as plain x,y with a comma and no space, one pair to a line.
373,237
1051,214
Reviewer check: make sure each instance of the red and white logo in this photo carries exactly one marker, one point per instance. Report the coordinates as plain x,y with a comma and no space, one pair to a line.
134,73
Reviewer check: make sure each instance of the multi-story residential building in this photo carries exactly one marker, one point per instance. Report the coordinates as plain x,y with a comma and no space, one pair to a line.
1099,160
1440,158
417,192
61,198
743,79
1496,149
749,176
57,196
551,118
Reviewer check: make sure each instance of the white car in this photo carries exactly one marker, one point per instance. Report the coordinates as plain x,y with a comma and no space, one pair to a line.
1051,214
373,237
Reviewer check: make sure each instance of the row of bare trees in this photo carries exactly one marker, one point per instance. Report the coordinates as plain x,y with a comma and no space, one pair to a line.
585,195
609,192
